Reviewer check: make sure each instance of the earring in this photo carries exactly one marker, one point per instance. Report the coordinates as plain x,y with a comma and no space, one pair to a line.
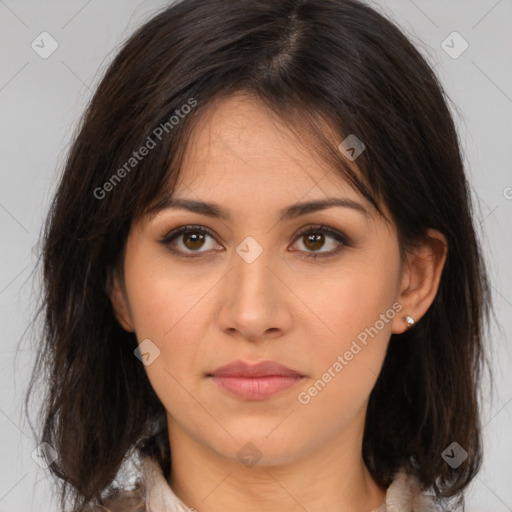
409,321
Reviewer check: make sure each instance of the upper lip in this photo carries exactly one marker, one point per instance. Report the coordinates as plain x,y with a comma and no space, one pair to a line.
261,369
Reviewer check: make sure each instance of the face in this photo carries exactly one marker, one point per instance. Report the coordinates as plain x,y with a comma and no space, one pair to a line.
316,291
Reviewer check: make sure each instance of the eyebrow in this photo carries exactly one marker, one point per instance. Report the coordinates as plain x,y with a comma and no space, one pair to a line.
291,212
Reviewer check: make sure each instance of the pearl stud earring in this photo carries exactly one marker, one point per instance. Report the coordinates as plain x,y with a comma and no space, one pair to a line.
409,321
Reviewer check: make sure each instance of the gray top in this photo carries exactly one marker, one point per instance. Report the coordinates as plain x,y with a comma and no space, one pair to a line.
403,495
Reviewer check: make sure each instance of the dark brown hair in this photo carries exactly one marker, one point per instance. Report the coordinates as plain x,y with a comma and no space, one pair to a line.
316,64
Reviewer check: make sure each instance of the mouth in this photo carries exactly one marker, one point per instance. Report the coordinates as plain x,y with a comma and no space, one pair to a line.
255,382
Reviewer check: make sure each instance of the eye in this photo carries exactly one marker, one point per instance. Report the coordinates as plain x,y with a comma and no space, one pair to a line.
320,237
189,239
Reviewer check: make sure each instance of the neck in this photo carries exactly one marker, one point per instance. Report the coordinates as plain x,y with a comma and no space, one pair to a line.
330,477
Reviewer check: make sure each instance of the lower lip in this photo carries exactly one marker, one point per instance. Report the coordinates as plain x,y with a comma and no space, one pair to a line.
256,388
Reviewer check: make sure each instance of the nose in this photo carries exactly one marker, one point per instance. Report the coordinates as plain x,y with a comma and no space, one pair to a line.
255,303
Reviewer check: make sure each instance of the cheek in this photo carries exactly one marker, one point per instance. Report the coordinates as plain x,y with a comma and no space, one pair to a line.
163,297
358,307
347,302
347,365
168,309
172,320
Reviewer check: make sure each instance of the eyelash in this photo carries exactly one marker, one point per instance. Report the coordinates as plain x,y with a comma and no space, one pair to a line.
320,228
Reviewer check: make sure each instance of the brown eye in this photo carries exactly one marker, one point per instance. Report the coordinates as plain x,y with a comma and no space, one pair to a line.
190,239
321,237
187,240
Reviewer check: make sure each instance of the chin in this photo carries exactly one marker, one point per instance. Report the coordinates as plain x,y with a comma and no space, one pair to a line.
255,447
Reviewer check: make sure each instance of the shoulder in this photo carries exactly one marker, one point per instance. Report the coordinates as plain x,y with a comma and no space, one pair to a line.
405,494
124,501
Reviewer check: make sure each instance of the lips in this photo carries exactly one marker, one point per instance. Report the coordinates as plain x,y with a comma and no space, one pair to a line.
255,381
261,369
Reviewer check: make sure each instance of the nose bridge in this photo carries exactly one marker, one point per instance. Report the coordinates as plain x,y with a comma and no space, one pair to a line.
252,302
251,277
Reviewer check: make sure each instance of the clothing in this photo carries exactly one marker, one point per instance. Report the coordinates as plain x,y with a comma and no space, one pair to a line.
403,495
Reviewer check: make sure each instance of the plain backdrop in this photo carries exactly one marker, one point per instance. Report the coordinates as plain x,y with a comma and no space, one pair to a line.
41,100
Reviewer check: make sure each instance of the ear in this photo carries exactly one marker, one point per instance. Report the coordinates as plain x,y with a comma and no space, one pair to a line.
117,293
421,276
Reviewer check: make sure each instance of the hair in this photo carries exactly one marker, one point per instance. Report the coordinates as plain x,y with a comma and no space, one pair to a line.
328,69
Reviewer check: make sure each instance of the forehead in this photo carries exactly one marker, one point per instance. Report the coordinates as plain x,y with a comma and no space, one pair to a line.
240,143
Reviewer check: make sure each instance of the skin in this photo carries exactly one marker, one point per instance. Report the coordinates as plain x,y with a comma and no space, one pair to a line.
215,308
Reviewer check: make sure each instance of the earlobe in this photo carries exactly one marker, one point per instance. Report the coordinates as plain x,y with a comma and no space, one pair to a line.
420,279
119,301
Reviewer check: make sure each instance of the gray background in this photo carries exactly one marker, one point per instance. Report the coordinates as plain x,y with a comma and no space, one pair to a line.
41,101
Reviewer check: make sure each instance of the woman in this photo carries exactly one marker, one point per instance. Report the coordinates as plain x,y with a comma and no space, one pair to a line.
262,280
